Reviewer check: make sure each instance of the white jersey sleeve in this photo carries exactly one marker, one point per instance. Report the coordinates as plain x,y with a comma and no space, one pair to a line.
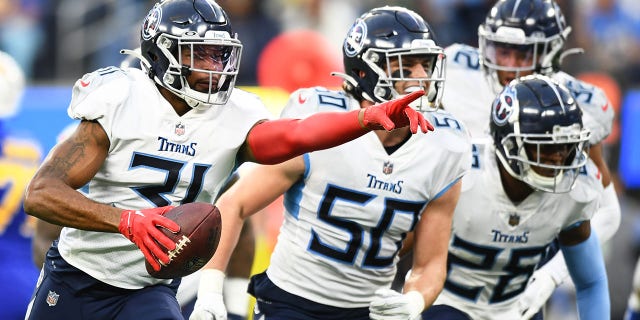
496,244
156,158
466,93
307,101
98,95
346,218
597,112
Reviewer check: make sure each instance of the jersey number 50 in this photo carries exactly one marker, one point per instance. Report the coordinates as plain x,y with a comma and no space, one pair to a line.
357,232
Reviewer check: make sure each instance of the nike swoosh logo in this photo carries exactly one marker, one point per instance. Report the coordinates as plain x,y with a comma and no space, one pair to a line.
301,99
84,84
605,107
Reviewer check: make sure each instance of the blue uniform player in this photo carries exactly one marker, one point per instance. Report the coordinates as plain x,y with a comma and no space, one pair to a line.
19,159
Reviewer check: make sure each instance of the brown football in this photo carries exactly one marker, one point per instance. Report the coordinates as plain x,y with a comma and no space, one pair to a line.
196,242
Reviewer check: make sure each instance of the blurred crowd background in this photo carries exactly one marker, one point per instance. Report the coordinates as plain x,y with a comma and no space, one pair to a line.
293,43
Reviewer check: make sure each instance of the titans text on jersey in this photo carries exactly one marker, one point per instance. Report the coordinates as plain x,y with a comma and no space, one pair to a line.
166,145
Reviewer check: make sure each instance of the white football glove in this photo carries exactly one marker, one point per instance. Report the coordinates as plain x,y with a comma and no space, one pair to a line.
392,305
539,289
210,304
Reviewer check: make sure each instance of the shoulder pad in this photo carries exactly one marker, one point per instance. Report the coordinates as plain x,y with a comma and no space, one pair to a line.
449,143
103,87
588,185
482,162
462,56
597,111
451,133
307,101
249,105
243,97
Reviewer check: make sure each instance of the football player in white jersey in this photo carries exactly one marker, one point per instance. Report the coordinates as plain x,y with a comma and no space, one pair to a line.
521,37
151,139
533,184
348,209
238,272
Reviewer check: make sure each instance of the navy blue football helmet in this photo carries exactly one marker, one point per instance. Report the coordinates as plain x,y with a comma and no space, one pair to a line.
201,27
387,34
533,119
536,28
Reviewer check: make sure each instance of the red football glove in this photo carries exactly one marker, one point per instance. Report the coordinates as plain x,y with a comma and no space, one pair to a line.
395,114
141,227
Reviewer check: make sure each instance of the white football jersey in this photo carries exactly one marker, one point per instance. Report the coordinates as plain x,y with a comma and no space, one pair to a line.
468,95
597,112
496,244
346,218
156,158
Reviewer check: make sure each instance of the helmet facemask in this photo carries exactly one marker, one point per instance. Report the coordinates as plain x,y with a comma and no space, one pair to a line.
381,61
538,133
382,40
190,39
217,48
535,53
527,157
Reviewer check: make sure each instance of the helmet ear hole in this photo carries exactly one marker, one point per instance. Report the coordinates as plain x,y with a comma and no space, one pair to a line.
153,57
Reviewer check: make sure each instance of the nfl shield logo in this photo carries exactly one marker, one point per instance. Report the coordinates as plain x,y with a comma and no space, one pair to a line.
179,129
52,298
387,167
514,219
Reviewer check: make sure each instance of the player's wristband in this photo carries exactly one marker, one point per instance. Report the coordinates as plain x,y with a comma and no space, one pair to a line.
236,298
606,220
211,281
416,302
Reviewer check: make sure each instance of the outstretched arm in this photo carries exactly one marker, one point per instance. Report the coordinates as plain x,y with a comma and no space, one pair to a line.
275,141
